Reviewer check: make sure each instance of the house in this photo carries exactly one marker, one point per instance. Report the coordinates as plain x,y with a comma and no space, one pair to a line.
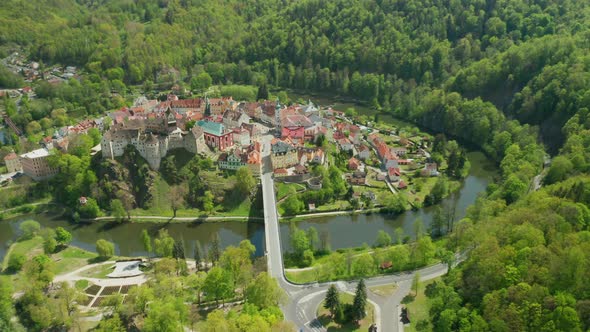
309,108
280,172
389,161
235,119
358,178
296,134
36,166
345,144
231,161
311,207
355,138
402,185
241,136
283,155
12,163
364,152
370,196
353,164
253,158
393,174
400,151
316,119
430,169
215,135
83,200
319,157
218,106
300,169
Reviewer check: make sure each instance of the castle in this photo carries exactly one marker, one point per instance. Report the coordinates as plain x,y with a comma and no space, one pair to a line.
152,137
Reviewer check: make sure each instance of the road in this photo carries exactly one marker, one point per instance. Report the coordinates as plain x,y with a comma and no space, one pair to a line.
304,300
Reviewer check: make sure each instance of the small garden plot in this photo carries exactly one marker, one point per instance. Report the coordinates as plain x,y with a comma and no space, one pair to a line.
98,301
110,290
92,290
126,288
85,301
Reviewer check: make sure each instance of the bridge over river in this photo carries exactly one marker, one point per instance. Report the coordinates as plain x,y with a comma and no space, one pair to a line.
304,300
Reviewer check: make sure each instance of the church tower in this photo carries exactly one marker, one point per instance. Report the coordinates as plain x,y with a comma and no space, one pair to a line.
207,107
278,115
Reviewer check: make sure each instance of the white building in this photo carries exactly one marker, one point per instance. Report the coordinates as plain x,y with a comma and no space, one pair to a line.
35,164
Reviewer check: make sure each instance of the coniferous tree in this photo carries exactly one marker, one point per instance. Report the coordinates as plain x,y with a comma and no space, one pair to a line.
360,302
262,92
332,301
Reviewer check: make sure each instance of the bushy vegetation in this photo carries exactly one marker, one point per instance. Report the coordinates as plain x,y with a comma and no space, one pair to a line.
469,69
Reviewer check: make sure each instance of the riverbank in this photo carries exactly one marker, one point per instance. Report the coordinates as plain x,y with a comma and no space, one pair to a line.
169,219
331,213
36,207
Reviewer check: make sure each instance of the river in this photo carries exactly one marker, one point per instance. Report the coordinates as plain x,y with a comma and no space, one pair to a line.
126,236
344,231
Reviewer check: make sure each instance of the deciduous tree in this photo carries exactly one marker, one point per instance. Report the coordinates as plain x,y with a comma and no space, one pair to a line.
104,248
264,292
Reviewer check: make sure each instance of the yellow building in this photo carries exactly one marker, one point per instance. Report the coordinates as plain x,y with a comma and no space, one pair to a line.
284,155
12,162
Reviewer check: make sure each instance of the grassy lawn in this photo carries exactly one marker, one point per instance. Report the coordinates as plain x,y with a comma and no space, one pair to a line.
68,259
71,258
373,182
82,284
243,209
418,309
380,193
99,272
29,248
287,189
87,325
301,277
385,290
330,325
336,205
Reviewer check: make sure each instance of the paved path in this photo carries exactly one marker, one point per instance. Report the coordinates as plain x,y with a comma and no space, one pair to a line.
75,275
32,204
330,213
219,218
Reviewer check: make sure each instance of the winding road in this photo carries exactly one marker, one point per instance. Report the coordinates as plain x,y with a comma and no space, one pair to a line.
304,300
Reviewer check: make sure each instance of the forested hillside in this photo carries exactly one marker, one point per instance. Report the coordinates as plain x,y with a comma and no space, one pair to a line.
511,77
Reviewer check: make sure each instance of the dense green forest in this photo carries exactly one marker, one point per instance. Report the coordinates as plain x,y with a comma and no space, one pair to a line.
510,77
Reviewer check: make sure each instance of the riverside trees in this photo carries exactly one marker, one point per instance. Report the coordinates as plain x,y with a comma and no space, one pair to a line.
172,296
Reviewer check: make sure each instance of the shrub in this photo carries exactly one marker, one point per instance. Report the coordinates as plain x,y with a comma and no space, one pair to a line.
29,228
16,262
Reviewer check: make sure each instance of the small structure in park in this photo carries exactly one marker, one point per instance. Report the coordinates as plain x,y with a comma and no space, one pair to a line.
126,269
386,265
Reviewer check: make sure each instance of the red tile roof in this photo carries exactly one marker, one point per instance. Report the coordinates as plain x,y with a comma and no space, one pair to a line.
11,156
